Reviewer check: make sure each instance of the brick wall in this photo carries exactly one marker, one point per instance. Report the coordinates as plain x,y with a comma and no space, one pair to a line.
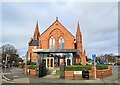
99,73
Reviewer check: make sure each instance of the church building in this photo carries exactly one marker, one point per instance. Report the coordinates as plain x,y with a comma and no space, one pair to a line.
56,45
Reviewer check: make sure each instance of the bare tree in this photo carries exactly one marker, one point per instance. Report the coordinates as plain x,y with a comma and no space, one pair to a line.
10,50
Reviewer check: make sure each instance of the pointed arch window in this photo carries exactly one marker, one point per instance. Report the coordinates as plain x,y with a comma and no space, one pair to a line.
52,43
61,43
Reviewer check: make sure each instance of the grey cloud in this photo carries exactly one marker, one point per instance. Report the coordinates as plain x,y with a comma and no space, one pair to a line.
98,23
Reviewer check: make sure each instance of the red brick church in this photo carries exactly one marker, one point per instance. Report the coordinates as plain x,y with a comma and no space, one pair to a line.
55,43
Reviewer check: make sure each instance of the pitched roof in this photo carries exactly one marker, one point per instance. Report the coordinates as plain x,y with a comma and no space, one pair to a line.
54,23
33,43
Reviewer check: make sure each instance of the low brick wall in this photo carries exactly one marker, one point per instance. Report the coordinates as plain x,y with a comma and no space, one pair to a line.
91,73
69,74
77,76
26,70
99,73
32,72
103,73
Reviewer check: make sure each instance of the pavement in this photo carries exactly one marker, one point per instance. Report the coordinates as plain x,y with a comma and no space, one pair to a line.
16,76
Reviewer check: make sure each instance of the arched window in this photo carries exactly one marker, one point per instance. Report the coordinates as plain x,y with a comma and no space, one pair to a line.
61,43
52,43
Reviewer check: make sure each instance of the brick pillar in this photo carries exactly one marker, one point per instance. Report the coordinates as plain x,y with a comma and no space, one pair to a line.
83,58
92,68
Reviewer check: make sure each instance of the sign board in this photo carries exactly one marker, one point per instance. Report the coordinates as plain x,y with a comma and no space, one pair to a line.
77,72
94,56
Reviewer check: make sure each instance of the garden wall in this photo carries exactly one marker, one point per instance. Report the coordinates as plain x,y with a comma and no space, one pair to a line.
99,73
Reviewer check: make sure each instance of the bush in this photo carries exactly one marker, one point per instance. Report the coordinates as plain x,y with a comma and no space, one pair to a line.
28,62
32,63
77,68
23,65
78,64
16,65
32,67
101,67
57,72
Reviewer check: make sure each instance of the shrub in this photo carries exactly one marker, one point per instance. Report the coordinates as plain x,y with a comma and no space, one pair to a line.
78,64
101,67
32,63
16,64
23,65
32,67
77,68
28,62
57,72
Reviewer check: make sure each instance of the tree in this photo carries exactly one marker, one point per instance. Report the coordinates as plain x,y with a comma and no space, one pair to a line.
11,51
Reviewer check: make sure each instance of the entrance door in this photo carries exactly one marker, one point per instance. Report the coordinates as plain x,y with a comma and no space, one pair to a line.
68,61
50,62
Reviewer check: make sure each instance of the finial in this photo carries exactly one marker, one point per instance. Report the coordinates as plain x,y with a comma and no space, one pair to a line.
56,18
37,21
78,22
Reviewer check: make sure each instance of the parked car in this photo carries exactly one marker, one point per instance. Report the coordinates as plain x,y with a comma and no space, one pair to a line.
118,63
113,63
109,63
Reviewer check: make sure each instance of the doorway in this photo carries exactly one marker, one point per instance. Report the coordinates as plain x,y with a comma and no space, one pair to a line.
50,62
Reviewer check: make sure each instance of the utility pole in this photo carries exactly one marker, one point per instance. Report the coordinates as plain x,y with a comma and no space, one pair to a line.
94,57
95,68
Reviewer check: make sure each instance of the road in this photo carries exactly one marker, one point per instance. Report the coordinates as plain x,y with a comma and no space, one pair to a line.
17,76
115,77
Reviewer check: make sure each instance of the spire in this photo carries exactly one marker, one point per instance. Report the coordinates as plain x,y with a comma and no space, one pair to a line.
78,33
56,18
36,32
79,38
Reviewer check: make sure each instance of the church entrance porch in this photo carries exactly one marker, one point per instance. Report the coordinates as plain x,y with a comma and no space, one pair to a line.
53,59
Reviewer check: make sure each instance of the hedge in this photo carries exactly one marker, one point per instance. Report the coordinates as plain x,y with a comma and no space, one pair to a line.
86,67
101,67
78,64
77,68
33,67
31,63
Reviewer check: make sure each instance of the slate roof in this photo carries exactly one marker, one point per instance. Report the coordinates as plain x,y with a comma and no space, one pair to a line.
34,43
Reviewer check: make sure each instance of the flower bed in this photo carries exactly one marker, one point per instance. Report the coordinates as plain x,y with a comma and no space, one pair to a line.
31,70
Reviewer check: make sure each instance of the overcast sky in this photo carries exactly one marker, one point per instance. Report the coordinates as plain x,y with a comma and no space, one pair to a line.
98,22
